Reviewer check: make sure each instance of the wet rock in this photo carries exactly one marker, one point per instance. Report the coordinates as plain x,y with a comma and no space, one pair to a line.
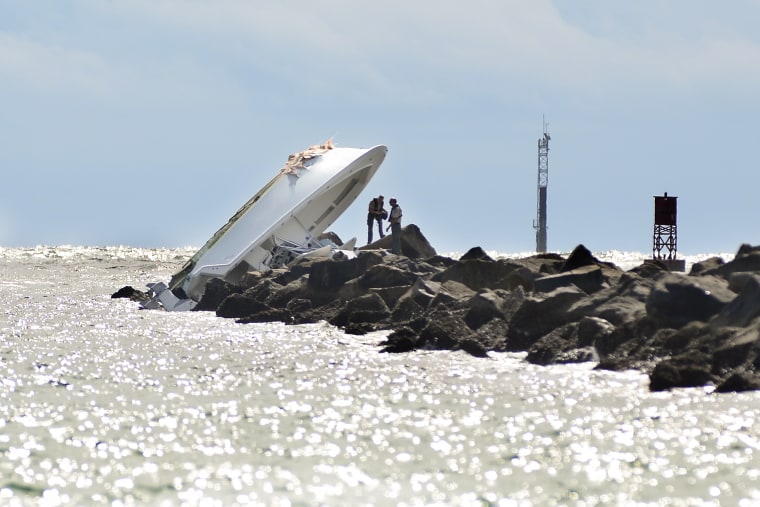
739,382
132,294
401,340
237,306
473,347
443,331
680,372
216,291
268,315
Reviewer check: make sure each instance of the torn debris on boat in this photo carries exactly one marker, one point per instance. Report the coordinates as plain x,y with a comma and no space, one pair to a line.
279,224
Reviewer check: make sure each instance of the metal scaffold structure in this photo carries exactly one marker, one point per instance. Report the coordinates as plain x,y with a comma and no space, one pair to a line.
665,235
543,182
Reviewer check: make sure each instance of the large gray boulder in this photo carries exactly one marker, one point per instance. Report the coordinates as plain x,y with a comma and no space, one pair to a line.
677,300
540,315
413,243
587,278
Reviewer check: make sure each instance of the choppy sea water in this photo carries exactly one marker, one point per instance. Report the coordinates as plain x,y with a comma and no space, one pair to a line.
105,404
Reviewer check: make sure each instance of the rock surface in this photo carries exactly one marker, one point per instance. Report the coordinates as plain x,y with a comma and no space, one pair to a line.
684,330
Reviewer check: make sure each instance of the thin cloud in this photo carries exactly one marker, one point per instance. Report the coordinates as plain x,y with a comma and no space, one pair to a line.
400,48
52,68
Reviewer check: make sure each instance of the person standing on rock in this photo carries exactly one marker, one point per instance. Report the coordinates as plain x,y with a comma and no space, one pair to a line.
376,213
395,226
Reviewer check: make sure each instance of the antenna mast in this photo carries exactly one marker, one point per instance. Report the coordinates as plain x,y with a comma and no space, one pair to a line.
543,181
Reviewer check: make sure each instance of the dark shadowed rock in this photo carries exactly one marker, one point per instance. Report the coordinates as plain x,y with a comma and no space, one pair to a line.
269,315
413,243
545,350
649,270
263,291
622,302
129,292
706,265
538,316
237,306
746,248
440,261
443,331
485,306
423,291
216,291
738,281
298,306
684,337
593,329
385,275
487,274
744,308
574,342
677,300
578,258
329,275
739,382
369,308
401,340
579,355
738,347
451,293
680,372
473,347
475,253
746,259
492,335
406,309
279,296
587,278
390,295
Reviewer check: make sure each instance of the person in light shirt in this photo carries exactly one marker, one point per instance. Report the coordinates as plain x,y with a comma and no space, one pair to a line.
395,225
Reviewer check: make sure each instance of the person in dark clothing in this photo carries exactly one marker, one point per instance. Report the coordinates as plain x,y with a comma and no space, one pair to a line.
376,213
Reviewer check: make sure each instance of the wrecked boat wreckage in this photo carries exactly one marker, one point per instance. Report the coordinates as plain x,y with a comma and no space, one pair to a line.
279,224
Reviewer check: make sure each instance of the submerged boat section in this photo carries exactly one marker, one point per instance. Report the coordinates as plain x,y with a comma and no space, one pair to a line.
280,223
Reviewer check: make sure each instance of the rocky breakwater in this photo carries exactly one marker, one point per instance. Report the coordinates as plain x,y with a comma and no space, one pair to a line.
684,330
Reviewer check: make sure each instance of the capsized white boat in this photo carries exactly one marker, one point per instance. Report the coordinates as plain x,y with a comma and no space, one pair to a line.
278,224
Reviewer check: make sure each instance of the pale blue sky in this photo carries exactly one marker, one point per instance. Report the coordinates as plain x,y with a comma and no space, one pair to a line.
149,122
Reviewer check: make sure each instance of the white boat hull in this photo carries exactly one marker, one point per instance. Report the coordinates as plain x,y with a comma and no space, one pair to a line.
295,207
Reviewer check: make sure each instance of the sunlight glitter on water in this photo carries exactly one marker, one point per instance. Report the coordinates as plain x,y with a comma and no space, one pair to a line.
104,404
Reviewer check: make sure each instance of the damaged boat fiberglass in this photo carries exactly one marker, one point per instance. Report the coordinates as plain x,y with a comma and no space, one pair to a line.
278,224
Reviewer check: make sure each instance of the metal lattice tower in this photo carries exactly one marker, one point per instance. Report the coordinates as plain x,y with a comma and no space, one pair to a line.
543,182
665,236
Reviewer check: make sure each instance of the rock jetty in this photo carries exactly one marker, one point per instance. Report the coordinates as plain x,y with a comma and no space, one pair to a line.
683,330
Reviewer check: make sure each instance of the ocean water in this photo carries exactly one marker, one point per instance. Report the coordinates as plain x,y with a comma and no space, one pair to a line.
105,404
